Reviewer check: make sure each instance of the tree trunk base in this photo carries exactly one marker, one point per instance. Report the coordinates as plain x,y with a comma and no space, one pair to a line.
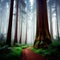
42,43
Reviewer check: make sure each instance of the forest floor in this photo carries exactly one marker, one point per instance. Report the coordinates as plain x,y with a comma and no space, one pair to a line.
27,54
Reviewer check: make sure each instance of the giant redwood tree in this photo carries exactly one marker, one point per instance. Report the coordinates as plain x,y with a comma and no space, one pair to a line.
43,37
8,41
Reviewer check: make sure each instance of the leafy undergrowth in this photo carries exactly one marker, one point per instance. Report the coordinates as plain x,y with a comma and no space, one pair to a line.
11,53
53,50
21,45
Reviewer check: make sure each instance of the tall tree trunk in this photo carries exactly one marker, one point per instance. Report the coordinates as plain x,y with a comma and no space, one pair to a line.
57,19
15,38
26,33
43,37
8,41
20,34
51,30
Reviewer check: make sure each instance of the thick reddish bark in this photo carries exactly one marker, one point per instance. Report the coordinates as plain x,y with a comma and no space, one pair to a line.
15,38
42,33
8,41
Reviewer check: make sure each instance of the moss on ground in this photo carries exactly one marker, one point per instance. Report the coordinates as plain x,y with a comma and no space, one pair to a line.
53,50
11,53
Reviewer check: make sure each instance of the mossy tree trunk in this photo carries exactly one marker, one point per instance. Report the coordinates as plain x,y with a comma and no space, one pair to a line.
8,41
43,37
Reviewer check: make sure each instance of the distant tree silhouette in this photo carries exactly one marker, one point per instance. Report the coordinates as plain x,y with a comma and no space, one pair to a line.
15,38
50,11
26,33
56,7
23,5
21,33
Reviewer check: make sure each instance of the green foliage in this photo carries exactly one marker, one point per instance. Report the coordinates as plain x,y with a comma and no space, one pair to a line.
16,51
2,42
21,45
52,50
10,53
38,51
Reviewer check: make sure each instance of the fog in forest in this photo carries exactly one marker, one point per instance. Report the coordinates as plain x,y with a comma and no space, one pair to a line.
27,17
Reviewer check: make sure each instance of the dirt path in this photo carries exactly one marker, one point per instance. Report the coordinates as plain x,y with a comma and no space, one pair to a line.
29,55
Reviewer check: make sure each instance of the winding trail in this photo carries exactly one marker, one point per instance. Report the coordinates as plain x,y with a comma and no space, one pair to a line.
29,55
